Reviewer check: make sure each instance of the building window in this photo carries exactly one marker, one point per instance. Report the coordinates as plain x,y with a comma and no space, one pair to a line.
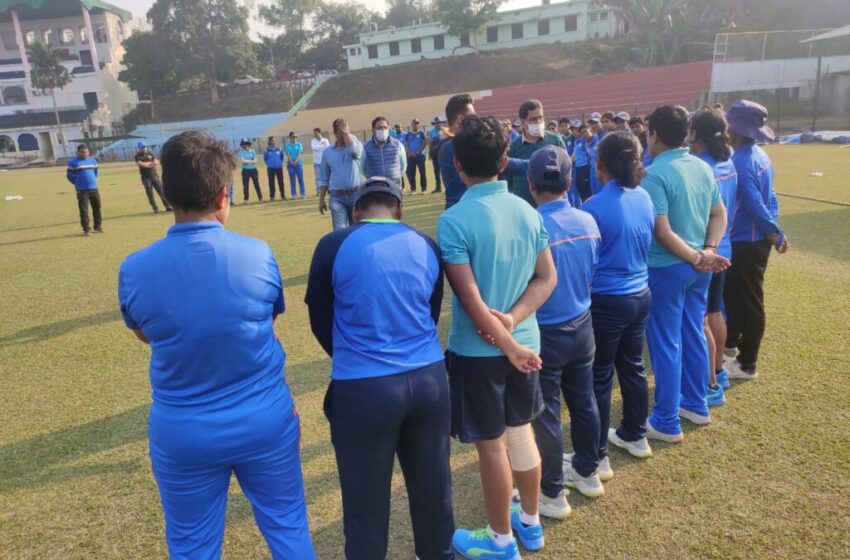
416,45
66,36
516,31
571,23
29,38
48,37
101,35
594,16
359,52
373,51
464,40
27,142
543,27
492,34
13,95
9,41
352,52
120,29
393,48
439,42
7,144
84,36
603,15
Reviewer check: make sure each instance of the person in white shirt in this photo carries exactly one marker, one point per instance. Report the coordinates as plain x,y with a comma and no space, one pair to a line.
318,143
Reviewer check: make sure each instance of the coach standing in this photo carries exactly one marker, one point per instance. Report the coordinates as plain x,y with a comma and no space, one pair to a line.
755,228
82,173
383,156
415,142
147,163
205,300
374,297
339,175
534,136
273,157
249,170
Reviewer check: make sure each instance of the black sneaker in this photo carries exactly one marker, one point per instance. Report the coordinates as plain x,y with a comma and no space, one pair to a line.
98,230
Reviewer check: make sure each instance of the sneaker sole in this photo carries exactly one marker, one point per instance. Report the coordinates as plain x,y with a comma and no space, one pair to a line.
590,495
615,440
552,514
605,476
462,555
531,546
652,433
693,418
743,376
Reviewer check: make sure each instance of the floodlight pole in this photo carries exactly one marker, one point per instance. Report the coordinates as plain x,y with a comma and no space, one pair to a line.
817,95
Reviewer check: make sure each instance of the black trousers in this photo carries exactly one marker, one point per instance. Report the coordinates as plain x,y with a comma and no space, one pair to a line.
152,184
583,182
84,198
253,175
373,420
275,173
437,177
414,163
744,299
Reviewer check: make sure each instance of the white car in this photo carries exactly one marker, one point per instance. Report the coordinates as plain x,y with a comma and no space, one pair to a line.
246,80
327,73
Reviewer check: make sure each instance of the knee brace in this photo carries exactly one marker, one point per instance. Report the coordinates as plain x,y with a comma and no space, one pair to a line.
522,449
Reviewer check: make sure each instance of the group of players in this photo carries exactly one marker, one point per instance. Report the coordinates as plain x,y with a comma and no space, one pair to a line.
549,301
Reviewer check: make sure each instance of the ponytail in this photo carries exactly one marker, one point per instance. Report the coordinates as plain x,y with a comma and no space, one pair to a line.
710,128
620,154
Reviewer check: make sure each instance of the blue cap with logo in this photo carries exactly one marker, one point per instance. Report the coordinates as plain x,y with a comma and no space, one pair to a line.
549,166
245,141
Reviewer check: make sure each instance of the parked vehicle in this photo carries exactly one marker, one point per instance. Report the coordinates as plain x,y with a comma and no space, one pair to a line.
246,80
327,73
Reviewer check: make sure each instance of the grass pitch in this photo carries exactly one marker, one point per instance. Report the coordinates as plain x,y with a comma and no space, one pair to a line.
770,478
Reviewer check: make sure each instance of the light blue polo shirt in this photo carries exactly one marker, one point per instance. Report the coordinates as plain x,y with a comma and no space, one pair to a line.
500,237
206,298
248,155
683,188
293,150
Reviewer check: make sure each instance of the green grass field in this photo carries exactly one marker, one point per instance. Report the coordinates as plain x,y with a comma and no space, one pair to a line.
770,478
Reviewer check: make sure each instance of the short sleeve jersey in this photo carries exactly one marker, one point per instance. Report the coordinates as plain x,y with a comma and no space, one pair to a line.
502,259
149,172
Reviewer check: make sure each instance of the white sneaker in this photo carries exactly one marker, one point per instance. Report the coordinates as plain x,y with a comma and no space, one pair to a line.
733,367
639,448
604,471
694,418
652,433
588,486
730,353
555,508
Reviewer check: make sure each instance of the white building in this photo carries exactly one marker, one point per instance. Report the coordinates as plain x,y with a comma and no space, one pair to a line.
89,33
562,22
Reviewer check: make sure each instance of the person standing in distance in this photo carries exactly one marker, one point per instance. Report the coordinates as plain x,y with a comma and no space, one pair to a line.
566,339
295,165
205,300
249,170
147,163
493,376
689,223
434,136
383,156
534,136
318,143
415,142
273,156
82,173
620,297
754,230
339,175
393,271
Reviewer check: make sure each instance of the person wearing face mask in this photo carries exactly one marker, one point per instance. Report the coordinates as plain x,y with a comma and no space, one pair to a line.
383,156
534,136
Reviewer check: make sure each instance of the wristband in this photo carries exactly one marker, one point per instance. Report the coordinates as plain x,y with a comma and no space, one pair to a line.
709,247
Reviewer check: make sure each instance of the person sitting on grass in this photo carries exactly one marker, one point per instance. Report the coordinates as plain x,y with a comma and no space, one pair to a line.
496,254
205,299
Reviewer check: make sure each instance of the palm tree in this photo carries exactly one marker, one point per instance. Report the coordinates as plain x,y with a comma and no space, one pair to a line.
48,74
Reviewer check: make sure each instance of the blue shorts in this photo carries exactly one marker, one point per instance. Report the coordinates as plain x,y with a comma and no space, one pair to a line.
489,394
715,292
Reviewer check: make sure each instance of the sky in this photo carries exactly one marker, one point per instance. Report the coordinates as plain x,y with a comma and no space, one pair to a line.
140,7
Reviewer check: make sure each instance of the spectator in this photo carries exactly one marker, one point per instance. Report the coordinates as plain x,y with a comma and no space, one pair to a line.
434,138
415,142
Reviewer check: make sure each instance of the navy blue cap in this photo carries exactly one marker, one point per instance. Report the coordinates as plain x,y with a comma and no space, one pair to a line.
549,166
245,141
749,119
140,144
378,185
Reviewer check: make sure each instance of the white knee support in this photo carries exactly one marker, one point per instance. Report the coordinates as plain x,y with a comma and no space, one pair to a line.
522,449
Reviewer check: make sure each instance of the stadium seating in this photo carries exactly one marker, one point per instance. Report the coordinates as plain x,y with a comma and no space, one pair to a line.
637,92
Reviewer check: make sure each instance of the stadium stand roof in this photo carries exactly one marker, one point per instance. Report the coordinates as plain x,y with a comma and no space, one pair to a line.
43,9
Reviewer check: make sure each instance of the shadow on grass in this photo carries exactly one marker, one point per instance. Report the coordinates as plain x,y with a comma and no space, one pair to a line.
35,461
295,281
39,239
106,219
811,232
59,328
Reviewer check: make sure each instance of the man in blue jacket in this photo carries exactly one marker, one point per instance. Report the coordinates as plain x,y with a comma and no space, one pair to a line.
82,173
755,229
383,156
273,157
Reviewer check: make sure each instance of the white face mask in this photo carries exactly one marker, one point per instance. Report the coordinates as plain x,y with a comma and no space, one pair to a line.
534,130
382,134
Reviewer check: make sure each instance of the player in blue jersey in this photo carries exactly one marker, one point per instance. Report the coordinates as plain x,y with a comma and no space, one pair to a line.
82,173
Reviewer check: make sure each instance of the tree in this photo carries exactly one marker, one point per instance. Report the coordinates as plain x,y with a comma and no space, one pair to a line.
48,74
146,70
334,26
211,37
290,17
463,18
401,13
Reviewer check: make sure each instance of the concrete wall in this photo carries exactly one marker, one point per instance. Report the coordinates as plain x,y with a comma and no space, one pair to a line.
774,74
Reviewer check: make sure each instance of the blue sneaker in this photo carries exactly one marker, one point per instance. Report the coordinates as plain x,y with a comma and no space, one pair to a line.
531,536
477,544
714,395
723,379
